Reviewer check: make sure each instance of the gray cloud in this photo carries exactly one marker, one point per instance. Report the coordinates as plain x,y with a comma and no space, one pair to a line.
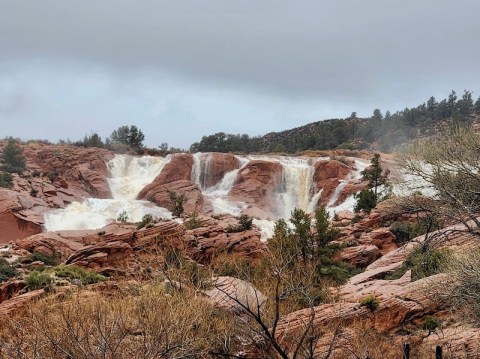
349,54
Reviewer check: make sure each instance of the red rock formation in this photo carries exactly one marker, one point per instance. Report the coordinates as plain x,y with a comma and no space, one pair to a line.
109,254
327,176
360,255
179,168
175,177
19,303
81,170
256,183
218,165
382,238
11,289
159,194
12,223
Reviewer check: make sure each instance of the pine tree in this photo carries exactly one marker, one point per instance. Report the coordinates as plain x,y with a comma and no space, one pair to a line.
377,180
12,157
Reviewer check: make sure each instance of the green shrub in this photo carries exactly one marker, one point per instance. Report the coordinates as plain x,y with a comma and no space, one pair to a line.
36,280
431,323
193,222
12,157
122,217
6,270
245,222
402,232
371,302
83,275
177,200
366,201
147,220
423,264
47,259
6,180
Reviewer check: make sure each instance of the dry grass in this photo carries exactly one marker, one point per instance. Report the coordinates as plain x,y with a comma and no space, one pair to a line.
154,324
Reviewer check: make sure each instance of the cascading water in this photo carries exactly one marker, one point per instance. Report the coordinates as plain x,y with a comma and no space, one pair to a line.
218,193
297,185
129,175
350,201
201,169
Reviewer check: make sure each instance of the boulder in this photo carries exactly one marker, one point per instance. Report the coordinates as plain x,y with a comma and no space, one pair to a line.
109,254
160,194
256,184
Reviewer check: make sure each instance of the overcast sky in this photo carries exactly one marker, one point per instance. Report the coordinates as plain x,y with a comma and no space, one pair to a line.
181,69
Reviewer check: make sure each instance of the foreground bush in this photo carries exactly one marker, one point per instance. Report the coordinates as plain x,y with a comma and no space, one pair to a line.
150,325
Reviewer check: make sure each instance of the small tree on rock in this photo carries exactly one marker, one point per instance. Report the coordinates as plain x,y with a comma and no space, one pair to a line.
12,157
178,200
378,185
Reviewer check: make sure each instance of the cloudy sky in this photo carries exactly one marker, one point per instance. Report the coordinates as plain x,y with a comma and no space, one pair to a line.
181,69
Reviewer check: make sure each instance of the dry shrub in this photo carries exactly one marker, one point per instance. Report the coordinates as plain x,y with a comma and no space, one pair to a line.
151,325
463,288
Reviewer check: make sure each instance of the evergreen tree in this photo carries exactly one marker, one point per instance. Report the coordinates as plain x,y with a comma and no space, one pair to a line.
377,180
12,157
128,135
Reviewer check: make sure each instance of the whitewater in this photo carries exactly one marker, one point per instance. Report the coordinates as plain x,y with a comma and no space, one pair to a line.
130,174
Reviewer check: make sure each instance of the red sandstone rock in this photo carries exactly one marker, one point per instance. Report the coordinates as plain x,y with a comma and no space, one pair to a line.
327,176
178,168
81,170
13,224
107,254
218,165
359,256
256,183
160,194
382,238
10,289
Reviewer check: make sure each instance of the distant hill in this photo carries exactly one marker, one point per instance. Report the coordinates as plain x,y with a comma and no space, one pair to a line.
378,132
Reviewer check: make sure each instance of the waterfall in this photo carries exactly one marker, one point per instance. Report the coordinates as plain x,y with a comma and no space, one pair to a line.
218,194
128,176
297,185
201,169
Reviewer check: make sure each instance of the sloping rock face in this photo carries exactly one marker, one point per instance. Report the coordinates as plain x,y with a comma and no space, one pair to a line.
176,177
218,165
327,176
81,170
256,183
15,222
401,302
179,168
